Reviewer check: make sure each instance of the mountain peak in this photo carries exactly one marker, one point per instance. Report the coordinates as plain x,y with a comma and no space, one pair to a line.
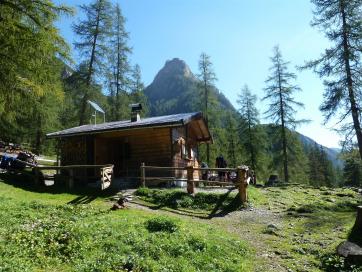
175,90
174,67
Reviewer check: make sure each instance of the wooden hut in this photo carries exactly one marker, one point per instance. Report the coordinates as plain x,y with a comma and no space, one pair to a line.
170,140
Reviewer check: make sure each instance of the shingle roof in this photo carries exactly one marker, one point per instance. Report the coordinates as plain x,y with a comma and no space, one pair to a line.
159,121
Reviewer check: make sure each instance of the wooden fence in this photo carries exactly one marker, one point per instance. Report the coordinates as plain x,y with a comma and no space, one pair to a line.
242,177
105,173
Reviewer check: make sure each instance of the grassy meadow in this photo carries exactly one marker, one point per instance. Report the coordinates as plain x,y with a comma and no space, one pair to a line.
288,228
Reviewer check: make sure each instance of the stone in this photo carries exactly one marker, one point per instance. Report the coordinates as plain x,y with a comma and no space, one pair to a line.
272,226
351,251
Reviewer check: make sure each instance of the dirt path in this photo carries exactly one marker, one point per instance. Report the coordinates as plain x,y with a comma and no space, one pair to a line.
248,224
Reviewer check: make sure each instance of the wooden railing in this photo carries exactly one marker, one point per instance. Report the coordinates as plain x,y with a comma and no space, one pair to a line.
242,177
106,173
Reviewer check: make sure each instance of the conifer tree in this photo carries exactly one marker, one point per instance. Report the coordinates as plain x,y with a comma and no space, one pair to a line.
119,66
340,65
93,32
352,171
75,88
232,141
207,79
137,89
30,49
251,136
279,92
314,166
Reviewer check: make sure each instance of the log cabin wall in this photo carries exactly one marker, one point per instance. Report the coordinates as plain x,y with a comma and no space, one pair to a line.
73,150
128,149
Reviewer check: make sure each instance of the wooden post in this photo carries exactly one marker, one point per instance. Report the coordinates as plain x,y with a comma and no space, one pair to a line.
37,176
143,175
71,179
242,181
358,224
58,157
190,180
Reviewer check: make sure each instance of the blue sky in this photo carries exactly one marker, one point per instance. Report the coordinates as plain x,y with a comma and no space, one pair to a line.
239,36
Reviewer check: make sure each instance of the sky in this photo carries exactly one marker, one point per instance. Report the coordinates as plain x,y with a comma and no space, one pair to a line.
238,35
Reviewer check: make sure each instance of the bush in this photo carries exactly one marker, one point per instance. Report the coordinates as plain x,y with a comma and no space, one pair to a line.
143,191
163,224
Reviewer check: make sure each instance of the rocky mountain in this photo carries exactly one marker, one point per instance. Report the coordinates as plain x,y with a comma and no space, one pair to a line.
174,90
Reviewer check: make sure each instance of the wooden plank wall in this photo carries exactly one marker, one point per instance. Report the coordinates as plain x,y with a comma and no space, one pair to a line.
74,152
151,146
128,149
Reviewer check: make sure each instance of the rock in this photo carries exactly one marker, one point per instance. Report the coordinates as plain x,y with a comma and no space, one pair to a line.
360,191
272,226
351,251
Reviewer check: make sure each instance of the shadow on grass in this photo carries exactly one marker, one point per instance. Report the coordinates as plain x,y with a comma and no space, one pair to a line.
221,209
202,205
83,193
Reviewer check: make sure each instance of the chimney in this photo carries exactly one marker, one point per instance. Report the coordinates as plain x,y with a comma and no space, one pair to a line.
135,112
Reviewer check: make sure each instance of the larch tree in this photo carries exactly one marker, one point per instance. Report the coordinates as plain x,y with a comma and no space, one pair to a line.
93,33
340,65
232,140
120,70
207,79
352,169
279,92
137,89
251,136
30,49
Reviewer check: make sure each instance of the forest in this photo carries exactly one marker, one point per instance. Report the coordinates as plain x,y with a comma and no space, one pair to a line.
42,89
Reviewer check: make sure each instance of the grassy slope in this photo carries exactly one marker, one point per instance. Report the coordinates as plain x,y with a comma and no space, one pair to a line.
41,232
297,227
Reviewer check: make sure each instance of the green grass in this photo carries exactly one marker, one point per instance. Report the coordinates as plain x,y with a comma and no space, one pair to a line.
39,231
297,227
314,222
203,202
311,222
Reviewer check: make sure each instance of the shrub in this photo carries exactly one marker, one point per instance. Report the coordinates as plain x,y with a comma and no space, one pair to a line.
144,191
163,224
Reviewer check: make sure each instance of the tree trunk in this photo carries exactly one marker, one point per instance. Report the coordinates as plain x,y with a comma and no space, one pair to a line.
351,92
284,136
38,139
206,117
90,69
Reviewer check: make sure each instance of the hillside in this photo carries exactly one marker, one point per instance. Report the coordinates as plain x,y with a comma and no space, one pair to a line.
332,153
174,89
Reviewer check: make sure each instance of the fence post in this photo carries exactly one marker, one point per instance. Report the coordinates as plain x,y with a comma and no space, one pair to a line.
36,176
190,180
143,175
242,184
71,179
